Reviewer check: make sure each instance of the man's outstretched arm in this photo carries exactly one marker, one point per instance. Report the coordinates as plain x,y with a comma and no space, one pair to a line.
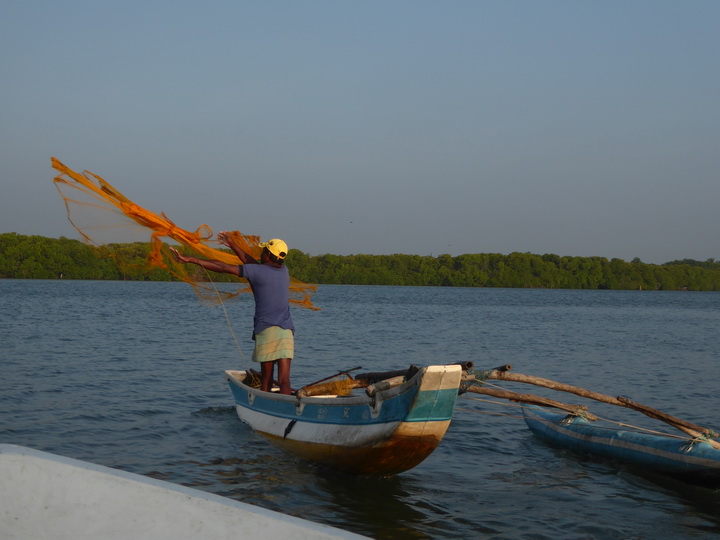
213,266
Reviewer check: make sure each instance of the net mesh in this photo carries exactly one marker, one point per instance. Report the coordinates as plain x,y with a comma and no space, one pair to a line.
98,211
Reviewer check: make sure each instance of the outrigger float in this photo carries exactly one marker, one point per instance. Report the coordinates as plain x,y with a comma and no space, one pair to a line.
693,456
691,459
382,424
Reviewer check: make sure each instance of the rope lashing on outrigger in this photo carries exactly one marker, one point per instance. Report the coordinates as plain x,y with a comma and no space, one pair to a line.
475,377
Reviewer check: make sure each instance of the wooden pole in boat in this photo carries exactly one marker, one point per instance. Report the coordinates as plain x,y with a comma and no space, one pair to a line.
321,387
684,426
336,375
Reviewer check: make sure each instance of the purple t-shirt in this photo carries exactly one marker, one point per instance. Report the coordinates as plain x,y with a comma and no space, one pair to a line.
271,289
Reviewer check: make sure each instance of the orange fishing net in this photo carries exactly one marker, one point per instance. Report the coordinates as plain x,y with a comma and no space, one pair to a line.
89,197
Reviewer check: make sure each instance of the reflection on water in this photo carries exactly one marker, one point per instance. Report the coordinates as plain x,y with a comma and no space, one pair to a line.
386,508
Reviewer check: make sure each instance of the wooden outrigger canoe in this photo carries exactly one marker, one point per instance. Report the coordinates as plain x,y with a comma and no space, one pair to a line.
388,428
690,459
693,456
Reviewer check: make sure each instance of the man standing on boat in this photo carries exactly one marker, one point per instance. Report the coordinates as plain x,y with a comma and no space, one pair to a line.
273,329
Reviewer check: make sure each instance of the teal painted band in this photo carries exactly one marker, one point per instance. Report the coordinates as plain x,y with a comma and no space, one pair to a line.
433,405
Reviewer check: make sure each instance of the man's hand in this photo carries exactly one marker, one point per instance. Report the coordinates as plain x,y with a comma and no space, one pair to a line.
178,257
224,238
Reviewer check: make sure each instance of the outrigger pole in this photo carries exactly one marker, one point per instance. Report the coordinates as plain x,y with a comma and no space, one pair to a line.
474,380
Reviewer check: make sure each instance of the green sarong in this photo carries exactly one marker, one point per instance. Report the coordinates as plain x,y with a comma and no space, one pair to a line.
273,343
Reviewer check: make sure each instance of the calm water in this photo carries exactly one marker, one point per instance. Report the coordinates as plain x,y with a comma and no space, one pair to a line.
129,375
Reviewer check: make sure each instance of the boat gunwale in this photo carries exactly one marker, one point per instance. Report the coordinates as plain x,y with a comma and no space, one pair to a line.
329,400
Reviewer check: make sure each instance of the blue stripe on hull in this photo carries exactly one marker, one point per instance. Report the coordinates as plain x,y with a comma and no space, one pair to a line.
668,454
346,411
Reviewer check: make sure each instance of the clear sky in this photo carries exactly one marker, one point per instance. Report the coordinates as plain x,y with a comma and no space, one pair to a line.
581,128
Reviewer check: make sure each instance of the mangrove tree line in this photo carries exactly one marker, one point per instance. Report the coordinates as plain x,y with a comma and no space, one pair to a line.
38,257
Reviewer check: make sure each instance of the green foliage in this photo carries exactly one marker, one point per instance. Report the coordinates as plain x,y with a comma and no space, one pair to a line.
37,257
516,270
710,264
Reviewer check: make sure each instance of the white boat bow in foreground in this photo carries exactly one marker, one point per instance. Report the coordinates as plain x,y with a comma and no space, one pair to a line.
49,497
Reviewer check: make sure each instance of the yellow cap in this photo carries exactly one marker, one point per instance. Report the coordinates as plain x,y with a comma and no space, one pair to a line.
275,246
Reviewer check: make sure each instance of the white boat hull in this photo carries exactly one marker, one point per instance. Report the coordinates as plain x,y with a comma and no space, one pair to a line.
49,497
